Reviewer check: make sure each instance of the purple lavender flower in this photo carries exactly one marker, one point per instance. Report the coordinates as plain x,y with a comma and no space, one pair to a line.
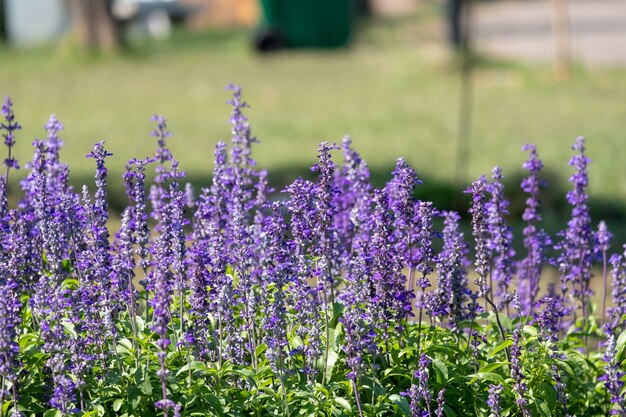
602,238
391,301
576,257
493,400
422,379
480,233
441,402
549,318
123,265
602,245
419,391
278,269
135,178
9,126
302,208
10,321
560,388
357,320
414,401
246,193
168,250
241,137
64,396
162,285
423,259
500,241
167,405
208,257
352,183
451,269
325,196
21,254
162,156
96,259
58,172
517,373
613,379
617,312
536,241
403,208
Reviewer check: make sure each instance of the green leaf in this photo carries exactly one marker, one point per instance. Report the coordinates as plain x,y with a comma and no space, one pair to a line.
194,366
215,404
53,413
492,366
70,283
69,329
99,411
5,407
28,340
117,404
338,309
141,324
499,347
543,407
530,330
620,344
330,364
441,369
486,376
146,387
134,396
402,404
344,404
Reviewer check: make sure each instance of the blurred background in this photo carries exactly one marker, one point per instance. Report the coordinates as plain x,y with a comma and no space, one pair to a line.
454,86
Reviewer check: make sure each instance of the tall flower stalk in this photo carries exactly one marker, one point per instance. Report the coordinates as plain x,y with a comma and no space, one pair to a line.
536,241
602,245
576,245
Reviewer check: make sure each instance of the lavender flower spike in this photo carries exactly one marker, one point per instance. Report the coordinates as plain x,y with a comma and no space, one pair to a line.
10,320
536,240
500,242
613,379
493,400
576,257
480,233
9,126
517,374
602,245
451,273
618,310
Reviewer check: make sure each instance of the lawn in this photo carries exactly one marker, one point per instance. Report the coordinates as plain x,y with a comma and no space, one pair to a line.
395,91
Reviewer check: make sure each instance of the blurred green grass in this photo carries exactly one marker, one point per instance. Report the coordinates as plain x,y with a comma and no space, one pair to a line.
395,91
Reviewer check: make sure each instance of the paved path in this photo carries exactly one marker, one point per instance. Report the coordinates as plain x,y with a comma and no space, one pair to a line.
523,29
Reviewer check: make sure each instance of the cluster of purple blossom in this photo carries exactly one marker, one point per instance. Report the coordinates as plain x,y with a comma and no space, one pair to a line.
248,269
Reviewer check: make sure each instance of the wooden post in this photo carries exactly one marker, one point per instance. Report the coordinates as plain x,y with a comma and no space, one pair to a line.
466,94
94,26
563,62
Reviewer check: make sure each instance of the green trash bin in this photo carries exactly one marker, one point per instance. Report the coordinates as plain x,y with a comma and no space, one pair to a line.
305,23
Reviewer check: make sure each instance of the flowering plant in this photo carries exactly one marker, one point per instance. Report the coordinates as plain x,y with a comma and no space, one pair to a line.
332,298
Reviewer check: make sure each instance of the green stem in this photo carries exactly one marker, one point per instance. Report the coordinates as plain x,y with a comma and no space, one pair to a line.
282,385
604,275
2,382
356,397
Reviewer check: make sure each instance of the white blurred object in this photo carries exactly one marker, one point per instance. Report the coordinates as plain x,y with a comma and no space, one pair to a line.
35,22
124,9
158,24
393,8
